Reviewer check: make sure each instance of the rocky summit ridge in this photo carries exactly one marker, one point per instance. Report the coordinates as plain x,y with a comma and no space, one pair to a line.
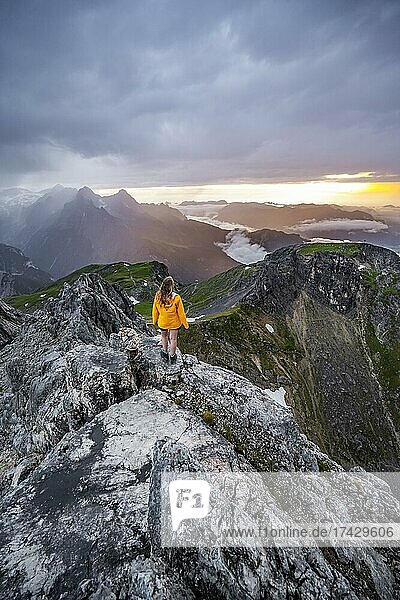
89,418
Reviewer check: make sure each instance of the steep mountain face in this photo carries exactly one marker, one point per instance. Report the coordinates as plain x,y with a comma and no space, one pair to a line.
95,229
323,324
257,215
90,417
42,212
11,321
343,313
18,275
81,234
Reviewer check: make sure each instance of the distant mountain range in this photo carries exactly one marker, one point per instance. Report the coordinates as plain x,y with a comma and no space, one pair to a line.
379,226
13,197
66,229
259,216
208,202
63,229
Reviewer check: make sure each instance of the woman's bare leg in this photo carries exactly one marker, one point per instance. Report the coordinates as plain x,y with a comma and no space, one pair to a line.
164,340
173,340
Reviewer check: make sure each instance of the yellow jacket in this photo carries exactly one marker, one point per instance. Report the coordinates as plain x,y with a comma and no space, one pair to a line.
171,315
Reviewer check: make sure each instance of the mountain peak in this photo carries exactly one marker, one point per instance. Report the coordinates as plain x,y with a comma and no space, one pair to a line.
86,194
124,195
86,190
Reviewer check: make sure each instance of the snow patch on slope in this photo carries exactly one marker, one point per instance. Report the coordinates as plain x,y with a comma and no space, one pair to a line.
277,395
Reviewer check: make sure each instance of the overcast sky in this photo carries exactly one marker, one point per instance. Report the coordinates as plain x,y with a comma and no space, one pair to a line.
125,93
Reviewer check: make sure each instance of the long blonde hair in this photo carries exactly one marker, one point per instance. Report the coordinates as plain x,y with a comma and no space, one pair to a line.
165,290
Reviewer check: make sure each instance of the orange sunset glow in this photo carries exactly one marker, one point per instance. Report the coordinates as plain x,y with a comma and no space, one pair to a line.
318,192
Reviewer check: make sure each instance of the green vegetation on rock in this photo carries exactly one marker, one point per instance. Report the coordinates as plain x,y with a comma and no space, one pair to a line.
386,359
340,247
128,276
208,417
385,286
144,308
238,339
370,279
200,295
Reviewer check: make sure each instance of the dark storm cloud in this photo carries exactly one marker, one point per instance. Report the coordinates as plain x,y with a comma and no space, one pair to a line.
184,91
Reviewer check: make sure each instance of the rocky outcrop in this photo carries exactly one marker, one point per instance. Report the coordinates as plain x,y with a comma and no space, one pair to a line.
62,371
84,524
11,321
324,324
336,306
258,427
90,417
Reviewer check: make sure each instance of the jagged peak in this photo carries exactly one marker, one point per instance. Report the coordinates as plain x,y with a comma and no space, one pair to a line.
122,195
93,283
123,192
332,274
91,309
87,193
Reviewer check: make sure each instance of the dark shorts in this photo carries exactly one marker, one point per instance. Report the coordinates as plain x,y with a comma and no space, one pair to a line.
176,329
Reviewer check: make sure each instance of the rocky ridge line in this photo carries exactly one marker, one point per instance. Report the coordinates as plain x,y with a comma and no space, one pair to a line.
90,416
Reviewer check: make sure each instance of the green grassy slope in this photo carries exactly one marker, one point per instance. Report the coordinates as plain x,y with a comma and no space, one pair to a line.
139,279
341,247
201,296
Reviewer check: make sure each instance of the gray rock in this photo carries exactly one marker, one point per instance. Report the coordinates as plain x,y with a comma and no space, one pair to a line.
85,522
62,370
91,416
342,312
324,324
11,321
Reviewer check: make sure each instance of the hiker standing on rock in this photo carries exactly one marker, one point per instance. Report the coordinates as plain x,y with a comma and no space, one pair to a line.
169,315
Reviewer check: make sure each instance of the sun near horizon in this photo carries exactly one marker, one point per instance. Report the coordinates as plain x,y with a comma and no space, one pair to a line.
332,190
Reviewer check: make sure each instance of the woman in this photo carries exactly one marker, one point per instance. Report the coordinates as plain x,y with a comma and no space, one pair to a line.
169,315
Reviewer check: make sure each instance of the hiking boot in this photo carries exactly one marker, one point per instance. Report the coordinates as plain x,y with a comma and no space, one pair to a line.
164,355
172,359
